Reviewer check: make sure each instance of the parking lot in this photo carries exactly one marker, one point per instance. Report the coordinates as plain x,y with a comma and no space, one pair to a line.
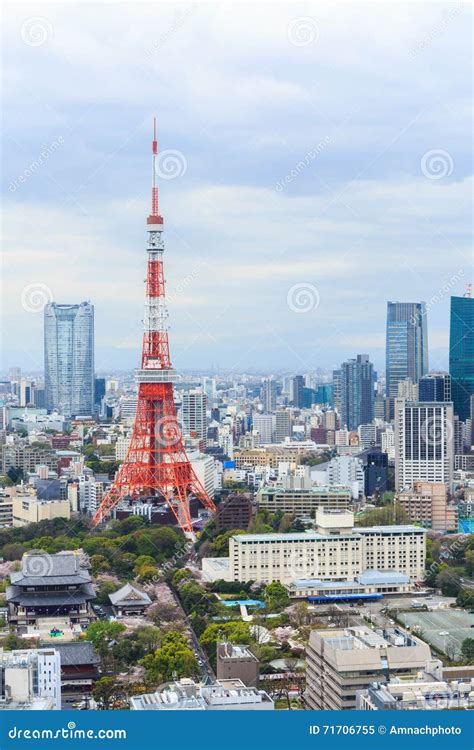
444,629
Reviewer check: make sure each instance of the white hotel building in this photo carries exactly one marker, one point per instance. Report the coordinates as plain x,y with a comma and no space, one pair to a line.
336,552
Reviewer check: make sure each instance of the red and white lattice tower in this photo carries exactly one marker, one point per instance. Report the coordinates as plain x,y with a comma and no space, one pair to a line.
156,463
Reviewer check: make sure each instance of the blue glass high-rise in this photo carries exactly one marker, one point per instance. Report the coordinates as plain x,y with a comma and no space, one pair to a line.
407,344
461,354
69,358
357,392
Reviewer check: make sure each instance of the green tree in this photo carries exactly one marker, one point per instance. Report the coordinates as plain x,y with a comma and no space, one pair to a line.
106,691
469,561
465,598
467,650
102,633
219,547
173,658
276,596
99,564
448,581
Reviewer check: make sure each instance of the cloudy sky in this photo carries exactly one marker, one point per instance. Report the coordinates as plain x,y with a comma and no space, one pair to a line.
316,163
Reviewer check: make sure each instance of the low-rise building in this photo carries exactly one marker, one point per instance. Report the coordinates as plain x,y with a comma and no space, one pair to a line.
30,679
79,666
364,586
341,663
237,662
187,695
28,508
335,552
129,601
235,512
6,509
423,693
303,501
428,505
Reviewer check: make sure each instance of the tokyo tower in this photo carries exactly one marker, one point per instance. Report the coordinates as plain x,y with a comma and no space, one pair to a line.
156,462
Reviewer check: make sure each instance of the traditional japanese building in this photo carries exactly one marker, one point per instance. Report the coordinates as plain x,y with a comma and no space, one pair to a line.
50,591
129,601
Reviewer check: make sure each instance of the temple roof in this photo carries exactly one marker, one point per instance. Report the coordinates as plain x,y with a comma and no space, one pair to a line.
128,594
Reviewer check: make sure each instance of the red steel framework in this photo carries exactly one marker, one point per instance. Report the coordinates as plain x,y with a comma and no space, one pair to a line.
156,462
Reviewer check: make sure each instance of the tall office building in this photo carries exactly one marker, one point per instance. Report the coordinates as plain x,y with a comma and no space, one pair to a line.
69,358
424,442
297,391
269,395
461,354
407,344
282,425
357,392
435,387
264,424
336,389
194,416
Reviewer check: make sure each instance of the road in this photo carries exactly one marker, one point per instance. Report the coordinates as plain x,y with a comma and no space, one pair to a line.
206,669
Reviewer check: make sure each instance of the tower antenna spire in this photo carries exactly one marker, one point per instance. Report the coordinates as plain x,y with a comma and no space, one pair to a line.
154,189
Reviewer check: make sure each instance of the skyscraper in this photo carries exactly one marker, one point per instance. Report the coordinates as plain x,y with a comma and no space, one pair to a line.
69,358
435,387
357,392
424,442
297,385
461,354
269,395
194,414
407,344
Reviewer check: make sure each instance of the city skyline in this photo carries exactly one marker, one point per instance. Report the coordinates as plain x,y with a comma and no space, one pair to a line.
288,227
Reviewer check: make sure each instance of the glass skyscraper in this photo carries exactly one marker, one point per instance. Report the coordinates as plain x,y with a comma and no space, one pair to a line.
461,354
407,344
69,358
357,392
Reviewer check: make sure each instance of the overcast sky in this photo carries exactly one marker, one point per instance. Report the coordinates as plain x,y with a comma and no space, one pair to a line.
317,164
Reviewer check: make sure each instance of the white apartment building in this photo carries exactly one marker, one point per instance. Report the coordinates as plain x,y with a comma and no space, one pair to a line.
193,413
388,443
121,447
424,442
205,469
128,408
336,552
367,435
264,425
347,471
90,493
30,679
